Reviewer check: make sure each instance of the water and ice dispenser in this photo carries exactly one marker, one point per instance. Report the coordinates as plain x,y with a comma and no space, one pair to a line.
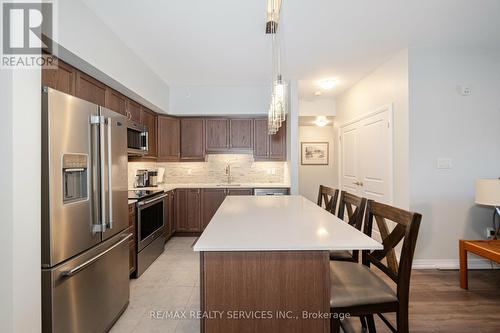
75,177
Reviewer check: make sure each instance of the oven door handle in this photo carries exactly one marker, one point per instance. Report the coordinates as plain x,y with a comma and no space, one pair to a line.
147,202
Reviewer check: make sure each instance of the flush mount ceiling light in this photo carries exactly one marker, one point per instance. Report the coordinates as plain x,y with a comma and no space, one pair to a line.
327,83
321,121
318,93
277,107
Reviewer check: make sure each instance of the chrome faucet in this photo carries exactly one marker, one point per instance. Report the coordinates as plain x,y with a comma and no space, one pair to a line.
228,173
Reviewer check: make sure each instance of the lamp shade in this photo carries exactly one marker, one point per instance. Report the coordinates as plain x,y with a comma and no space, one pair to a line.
488,192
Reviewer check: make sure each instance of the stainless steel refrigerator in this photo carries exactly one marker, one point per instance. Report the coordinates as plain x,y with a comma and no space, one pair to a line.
85,251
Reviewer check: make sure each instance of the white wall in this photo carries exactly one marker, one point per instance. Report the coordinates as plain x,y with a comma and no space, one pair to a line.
445,124
316,107
311,176
20,201
82,33
388,84
292,138
220,99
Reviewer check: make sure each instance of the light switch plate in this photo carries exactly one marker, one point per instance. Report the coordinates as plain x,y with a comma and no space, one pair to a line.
444,163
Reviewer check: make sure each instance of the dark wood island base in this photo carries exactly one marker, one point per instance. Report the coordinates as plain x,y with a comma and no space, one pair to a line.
265,291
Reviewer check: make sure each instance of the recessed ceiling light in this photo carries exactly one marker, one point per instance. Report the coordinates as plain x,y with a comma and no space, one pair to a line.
318,93
327,83
321,121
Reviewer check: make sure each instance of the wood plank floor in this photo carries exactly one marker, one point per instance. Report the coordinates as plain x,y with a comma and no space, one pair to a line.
437,304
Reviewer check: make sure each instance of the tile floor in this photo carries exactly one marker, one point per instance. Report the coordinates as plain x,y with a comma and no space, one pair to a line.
171,283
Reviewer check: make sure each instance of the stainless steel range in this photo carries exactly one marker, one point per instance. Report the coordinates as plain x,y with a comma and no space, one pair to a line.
85,260
151,210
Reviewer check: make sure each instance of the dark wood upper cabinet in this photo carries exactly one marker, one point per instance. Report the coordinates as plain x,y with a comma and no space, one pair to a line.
62,78
239,191
148,119
217,134
277,144
211,199
134,110
241,134
90,89
188,208
269,147
168,139
261,139
116,101
192,145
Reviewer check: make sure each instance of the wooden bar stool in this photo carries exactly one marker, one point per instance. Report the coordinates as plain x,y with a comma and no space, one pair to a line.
356,289
354,206
328,197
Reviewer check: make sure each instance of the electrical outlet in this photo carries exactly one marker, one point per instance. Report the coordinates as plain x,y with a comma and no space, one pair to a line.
490,232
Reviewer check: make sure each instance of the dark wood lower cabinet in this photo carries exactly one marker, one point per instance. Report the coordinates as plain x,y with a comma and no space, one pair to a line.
167,222
282,285
132,240
188,209
211,199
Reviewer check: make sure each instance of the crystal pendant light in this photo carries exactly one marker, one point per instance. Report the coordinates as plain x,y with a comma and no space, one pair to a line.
277,107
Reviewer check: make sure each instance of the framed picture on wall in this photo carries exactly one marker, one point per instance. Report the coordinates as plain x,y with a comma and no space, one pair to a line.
314,153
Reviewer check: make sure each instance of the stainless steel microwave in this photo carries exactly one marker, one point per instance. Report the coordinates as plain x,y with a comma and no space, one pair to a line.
137,139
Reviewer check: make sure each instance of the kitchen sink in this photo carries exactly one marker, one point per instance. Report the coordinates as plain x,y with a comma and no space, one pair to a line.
228,185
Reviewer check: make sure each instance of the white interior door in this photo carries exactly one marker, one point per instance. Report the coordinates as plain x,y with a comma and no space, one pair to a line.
349,159
366,154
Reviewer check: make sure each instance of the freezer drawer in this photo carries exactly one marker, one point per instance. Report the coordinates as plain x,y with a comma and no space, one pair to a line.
87,293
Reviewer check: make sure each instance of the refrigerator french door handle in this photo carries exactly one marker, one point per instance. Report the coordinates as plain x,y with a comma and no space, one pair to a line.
101,227
110,182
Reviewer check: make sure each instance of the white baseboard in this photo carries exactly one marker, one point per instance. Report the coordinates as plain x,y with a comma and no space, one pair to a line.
453,264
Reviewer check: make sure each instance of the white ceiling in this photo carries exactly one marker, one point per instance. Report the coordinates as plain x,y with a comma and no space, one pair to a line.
221,42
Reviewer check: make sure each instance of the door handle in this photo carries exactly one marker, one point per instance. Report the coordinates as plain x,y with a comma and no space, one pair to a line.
110,181
89,262
99,121
358,183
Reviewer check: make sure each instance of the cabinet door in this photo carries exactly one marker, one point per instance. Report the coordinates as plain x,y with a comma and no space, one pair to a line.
217,135
211,199
134,110
168,138
194,209
148,119
239,191
172,211
277,144
241,134
181,209
90,89
61,78
261,139
116,101
166,217
192,139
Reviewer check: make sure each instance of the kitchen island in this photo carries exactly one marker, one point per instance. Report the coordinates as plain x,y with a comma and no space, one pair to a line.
265,264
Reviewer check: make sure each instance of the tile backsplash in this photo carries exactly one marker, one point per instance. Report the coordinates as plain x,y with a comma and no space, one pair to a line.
243,170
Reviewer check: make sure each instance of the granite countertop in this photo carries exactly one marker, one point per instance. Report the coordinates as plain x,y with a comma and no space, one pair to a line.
169,187
279,223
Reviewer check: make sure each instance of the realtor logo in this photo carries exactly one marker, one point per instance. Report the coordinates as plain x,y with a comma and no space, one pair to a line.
22,26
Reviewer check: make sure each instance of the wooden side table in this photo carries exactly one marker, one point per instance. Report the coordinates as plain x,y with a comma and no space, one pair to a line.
489,249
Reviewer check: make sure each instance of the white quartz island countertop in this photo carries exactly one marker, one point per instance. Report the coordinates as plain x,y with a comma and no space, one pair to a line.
279,223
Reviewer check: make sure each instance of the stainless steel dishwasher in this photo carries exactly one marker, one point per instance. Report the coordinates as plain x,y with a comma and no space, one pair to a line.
271,191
